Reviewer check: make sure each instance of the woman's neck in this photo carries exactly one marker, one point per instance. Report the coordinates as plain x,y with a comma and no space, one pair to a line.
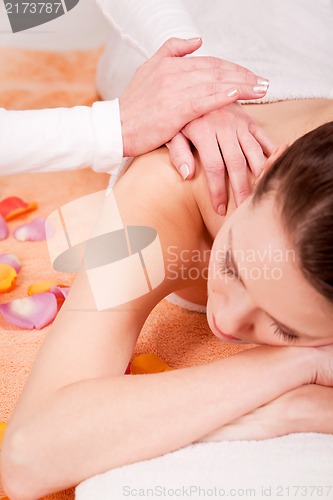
284,122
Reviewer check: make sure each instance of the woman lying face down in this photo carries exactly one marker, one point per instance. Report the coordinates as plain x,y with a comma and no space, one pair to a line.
270,280
271,272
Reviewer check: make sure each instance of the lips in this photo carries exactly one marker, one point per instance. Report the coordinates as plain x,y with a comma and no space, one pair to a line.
221,334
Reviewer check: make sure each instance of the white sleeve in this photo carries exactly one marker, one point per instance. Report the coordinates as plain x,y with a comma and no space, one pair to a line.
50,140
147,24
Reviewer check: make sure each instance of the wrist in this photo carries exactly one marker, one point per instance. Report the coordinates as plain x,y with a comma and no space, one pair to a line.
305,359
310,409
298,365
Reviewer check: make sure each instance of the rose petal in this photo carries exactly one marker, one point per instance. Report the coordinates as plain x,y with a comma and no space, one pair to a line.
36,311
4,231
3,426
11,260
148,363
35,231
60,292
40,287
8,277
14,206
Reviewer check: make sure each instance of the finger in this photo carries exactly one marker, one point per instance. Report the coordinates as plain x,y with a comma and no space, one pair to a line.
178,47
210,75
207,62
181,156
188,111
216,62
247,91
209,97
268,146
236,166
200,90
252,151
214,168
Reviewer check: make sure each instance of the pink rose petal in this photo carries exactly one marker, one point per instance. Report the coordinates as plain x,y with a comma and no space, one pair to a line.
60,292
36,311
11,260
35,231
4,231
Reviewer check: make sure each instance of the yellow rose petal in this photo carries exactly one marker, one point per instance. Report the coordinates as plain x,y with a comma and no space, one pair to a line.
2,430
40,287
148,363
8,277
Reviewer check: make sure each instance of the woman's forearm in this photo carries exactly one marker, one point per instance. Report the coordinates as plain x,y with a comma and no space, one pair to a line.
130,418
308,408
312,409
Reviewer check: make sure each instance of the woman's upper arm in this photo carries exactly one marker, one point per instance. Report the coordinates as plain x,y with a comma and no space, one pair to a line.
85,343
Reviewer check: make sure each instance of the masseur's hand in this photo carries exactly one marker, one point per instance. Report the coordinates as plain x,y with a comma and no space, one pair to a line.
227,139
169,91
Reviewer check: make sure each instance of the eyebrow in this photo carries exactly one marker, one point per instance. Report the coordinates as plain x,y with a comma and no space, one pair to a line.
233,263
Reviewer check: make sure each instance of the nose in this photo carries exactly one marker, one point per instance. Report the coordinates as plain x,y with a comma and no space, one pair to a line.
235,315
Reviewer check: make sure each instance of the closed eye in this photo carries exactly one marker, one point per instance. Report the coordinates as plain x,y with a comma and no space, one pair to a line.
287,337
228,266
225,266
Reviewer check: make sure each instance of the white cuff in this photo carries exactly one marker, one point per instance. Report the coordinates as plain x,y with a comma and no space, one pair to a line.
108,136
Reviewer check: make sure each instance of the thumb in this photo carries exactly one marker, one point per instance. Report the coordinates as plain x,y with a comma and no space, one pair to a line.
181,155
178,47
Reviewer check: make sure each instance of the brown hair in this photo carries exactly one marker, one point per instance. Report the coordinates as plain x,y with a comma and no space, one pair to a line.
302,181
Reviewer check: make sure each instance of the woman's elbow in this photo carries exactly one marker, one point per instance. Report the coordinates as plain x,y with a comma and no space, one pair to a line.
18,470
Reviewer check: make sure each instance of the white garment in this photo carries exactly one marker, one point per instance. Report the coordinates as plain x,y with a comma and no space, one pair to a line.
290,43
61,139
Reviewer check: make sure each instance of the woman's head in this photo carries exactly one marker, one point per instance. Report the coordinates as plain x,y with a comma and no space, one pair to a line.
302,181
281,239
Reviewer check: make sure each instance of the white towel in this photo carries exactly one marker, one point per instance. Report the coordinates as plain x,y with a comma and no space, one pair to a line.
274,468
288,41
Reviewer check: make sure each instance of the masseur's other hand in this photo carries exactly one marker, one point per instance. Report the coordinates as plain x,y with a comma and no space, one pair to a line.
169,91
227,139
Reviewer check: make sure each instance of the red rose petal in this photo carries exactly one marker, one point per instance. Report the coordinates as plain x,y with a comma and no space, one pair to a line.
35,231
14,206
36,311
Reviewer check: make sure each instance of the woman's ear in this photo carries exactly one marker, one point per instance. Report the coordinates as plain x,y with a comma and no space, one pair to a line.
271,159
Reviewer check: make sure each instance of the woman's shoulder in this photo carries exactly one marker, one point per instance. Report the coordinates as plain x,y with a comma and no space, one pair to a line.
153,193
188,202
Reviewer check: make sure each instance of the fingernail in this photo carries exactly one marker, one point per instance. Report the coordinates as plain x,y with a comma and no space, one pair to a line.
260,89
194,40
263,81
232,92
184,171
221,209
